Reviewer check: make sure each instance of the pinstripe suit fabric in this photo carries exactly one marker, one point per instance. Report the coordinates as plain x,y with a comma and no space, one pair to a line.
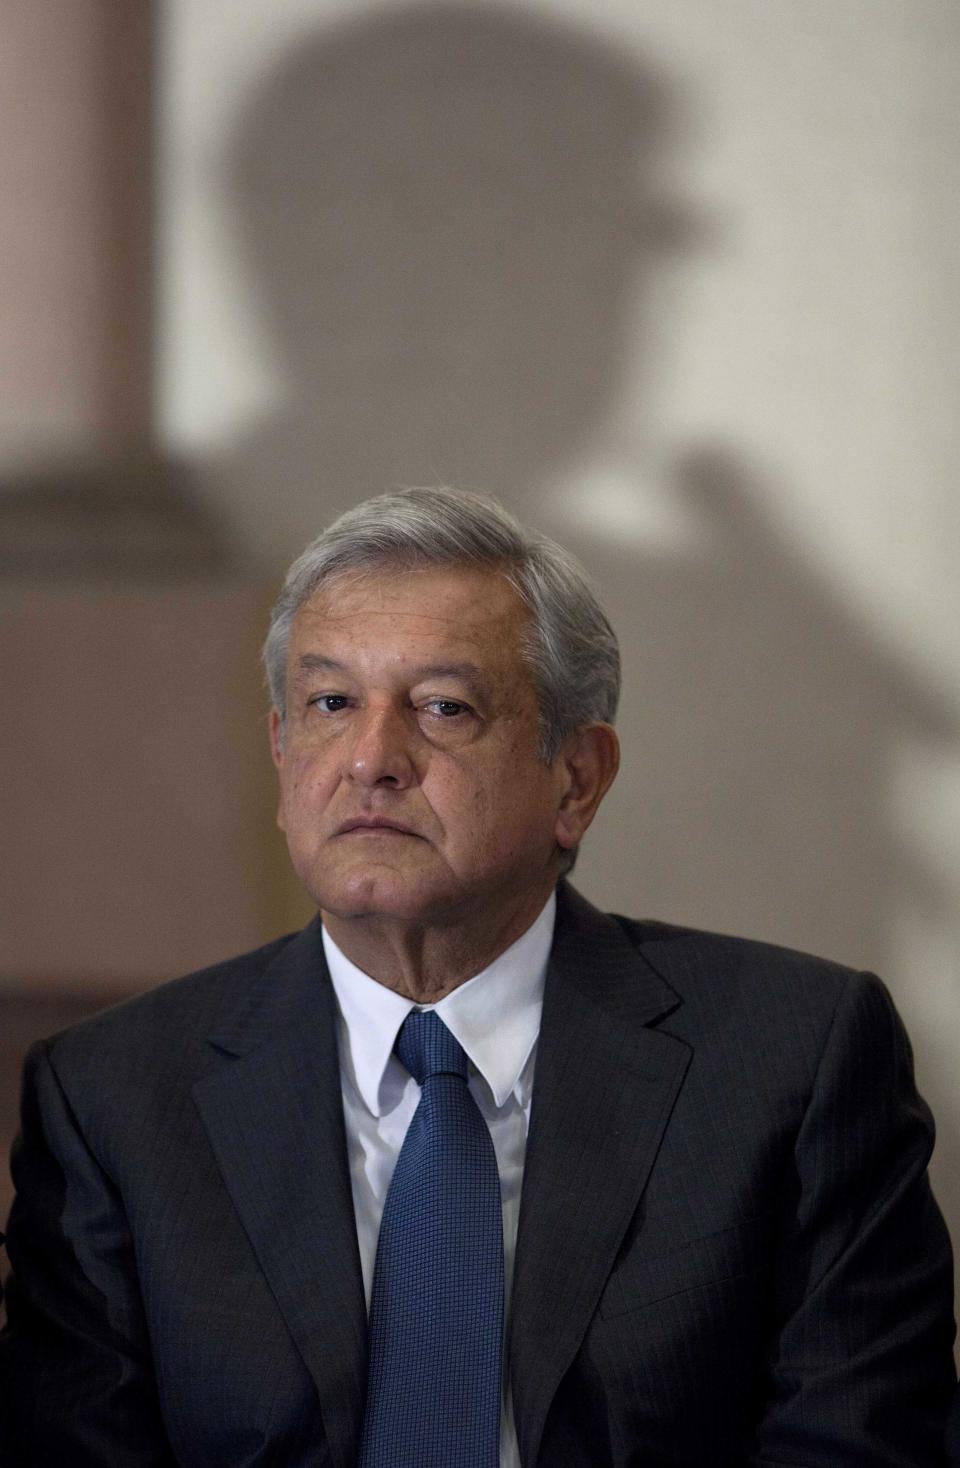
728,1255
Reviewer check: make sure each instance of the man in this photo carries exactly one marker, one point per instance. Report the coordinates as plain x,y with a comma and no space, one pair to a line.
254,1220
953,1432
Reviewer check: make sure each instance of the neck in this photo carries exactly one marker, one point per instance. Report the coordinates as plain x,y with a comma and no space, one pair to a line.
422,961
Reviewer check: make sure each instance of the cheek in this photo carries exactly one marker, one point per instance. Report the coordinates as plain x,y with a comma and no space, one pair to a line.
497,808
458,796
301,782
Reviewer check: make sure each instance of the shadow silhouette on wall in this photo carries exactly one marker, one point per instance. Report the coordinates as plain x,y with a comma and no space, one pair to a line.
450,215
444,212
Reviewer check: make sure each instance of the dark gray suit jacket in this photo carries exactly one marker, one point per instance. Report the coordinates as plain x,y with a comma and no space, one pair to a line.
728,1253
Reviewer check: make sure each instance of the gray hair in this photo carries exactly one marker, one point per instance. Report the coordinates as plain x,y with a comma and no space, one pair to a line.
570,645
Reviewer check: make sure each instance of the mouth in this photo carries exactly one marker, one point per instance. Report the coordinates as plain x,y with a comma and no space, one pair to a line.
374,826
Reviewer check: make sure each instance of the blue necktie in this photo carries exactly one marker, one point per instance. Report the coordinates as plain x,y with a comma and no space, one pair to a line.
436,1316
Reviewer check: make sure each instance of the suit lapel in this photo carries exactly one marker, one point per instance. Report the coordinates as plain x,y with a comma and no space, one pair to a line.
274,1116
604,1087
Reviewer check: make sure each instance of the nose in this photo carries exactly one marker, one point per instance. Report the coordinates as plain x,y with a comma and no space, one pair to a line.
379,751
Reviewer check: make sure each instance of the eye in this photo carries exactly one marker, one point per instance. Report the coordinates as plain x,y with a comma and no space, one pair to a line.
329,703
446,708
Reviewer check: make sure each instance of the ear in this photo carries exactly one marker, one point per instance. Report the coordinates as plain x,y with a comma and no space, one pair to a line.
276,738
276,754
590,761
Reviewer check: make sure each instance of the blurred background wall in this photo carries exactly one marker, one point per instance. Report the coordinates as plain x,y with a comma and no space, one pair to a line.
676,280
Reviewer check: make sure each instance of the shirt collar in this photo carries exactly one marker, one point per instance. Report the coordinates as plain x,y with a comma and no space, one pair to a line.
495,1016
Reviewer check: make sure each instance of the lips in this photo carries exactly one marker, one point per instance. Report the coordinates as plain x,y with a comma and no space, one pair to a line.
373,826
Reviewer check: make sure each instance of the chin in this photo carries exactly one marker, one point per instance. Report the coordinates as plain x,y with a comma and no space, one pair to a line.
369,894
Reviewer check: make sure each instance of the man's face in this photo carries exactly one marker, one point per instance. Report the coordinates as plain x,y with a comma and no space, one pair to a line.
410,785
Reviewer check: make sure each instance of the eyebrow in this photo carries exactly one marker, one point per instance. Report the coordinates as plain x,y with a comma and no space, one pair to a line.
467,672
315,662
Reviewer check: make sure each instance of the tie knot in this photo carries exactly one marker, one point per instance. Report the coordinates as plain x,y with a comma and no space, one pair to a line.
427,1048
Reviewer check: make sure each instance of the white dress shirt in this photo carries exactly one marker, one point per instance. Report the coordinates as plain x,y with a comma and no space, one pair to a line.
496,1018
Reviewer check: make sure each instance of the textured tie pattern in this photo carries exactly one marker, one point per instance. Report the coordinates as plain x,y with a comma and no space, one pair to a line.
436,1316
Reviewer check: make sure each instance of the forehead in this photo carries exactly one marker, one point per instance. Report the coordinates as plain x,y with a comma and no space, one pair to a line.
461,608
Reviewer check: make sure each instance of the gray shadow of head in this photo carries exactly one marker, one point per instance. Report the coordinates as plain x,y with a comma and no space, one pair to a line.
444,211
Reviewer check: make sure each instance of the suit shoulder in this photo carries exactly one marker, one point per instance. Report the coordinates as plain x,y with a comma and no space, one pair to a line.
183,1007
724,961
646,931
720,967
799,1002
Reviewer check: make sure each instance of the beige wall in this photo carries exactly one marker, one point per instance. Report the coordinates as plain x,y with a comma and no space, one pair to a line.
75,181
691,304
126,733
678,282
